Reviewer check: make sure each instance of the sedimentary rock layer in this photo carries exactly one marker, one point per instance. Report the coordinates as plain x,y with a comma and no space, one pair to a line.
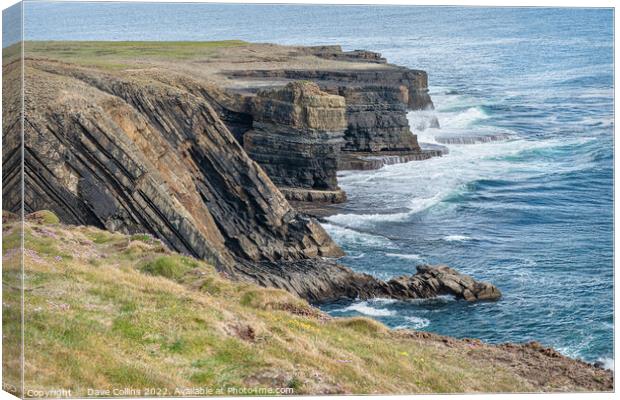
368,161
296,135
162,149
377,102
471,138
138,156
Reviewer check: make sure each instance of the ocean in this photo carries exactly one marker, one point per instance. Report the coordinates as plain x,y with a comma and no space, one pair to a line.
532,214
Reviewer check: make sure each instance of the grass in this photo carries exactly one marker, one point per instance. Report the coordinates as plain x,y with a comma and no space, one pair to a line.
44,217
162,320
171,267
120,54
11,306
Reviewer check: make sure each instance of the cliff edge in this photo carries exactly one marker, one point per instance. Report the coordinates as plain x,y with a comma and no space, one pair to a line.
135,315
199,144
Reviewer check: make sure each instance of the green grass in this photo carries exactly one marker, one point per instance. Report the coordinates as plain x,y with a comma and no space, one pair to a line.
171,267
44,217
121,54
169,321
143,237
11,306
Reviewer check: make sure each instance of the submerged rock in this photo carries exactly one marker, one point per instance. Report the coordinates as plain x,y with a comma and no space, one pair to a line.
471,139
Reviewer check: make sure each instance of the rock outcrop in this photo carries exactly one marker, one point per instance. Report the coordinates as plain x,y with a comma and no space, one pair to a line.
431,281
368,161
163,149
337,282
296,136
377,102
472,138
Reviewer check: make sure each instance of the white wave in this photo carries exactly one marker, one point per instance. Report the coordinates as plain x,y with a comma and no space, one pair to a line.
604,122
414,206
364,308
359,220
422,185
417,322
343,235
360,255
443,299
608,363
422,120
404,256
382,300
462,119
456,238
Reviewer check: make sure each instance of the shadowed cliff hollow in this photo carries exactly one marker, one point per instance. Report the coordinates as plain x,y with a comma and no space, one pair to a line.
185,141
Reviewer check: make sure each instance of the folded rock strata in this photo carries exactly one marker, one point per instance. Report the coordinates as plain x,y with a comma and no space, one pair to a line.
162,148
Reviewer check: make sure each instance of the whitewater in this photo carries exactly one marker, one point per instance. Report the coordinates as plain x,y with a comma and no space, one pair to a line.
432,205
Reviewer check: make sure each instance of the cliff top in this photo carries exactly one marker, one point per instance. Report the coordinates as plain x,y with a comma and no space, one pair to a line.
223,62
134,314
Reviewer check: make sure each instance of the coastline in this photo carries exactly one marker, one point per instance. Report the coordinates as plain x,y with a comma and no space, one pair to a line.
236,133
232,326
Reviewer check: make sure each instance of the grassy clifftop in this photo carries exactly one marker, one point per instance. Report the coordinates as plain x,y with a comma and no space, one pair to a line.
116,54
106,311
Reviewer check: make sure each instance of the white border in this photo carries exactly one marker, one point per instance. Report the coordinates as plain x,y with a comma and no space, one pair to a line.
480,3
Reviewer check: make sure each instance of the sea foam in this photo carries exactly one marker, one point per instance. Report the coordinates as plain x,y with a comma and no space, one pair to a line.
405,256
456,238
365,308
417,322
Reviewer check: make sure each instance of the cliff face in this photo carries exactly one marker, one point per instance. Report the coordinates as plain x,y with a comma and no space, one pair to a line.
377,102
297,134
174,150
377,97
138,156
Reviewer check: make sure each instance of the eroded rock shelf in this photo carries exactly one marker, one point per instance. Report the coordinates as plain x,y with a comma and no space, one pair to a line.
202,151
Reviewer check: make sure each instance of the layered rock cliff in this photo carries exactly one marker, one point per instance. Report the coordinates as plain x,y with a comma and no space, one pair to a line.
296,135
377,102
377,97
173,150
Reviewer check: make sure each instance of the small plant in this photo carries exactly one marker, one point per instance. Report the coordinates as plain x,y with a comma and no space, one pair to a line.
143,237
171,267
177,346
295,383
43,217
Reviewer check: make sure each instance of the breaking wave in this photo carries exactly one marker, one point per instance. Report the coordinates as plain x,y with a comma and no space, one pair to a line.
415,257
456,238
365,308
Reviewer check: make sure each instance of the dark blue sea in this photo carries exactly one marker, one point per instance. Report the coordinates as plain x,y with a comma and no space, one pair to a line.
533,214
